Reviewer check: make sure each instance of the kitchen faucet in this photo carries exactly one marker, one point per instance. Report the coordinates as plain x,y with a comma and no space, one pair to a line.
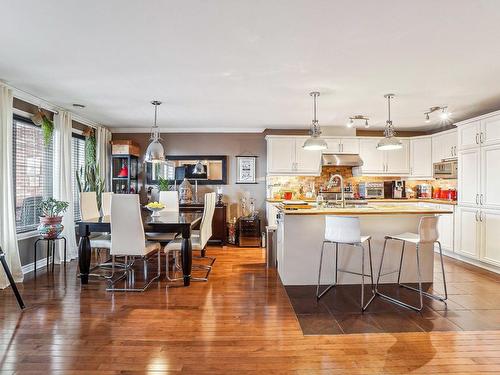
330,185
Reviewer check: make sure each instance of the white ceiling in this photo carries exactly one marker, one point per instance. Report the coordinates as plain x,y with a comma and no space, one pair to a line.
247,65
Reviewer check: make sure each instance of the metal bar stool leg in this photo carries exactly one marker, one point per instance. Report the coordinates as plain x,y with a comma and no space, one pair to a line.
442,270
318,294
401,262
363,305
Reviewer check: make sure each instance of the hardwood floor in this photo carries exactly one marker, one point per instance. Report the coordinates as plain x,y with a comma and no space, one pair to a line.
240,322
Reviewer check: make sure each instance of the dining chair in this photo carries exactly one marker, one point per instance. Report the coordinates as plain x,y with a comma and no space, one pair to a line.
106,203
198,242
129,241
171,201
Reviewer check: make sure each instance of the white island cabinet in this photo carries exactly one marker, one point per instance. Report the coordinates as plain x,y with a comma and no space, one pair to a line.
301,232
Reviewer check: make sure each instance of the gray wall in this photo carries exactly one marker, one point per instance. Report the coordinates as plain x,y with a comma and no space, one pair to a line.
229,144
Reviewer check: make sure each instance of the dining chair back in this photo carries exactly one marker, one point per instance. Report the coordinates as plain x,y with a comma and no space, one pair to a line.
428,229
126,225
88,205
206,221
342,229
171,200
106,203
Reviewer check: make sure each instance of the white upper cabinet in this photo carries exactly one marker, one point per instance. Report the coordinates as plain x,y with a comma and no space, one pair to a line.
285,155
490,130
342,145
307,162
280,155
373,159
444,146
490,177
468,181
421,157
398,161
468,135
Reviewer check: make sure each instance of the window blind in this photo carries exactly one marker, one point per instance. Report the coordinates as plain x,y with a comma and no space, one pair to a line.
33,165
78,153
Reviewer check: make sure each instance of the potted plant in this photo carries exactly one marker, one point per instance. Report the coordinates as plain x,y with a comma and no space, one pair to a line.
163,184
50,222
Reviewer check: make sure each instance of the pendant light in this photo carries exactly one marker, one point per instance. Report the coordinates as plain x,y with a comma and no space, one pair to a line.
155,153
198,168
389,142
315,142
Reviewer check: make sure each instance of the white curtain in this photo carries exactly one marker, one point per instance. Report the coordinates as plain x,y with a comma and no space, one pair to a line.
103,154
8,237
63,187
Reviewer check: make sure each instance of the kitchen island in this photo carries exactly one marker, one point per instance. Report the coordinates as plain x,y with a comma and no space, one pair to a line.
300,234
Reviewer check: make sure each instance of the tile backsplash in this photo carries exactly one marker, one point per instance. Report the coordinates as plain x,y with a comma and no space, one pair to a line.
300,185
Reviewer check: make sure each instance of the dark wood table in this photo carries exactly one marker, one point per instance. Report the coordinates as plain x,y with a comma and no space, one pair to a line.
168,222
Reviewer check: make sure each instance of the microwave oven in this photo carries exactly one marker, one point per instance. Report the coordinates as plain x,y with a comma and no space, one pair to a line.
371,190
446,169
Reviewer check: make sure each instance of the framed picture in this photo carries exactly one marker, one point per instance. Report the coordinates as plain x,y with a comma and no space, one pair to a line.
246,169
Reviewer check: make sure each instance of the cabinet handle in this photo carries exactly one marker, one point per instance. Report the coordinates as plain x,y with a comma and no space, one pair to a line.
451,150
481,138
340,146
481,216
481,199
455,148
477,138
477,212
477,198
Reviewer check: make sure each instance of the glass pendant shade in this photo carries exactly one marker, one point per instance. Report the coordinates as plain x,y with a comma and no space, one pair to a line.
198,168
390,141
314,143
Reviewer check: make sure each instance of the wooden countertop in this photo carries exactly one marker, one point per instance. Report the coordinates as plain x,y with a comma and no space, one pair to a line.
413,200
389,209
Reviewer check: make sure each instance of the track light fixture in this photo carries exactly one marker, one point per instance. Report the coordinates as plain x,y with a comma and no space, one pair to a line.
350,123
444,115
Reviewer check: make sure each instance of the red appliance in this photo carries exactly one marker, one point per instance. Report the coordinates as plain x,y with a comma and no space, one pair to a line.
437,193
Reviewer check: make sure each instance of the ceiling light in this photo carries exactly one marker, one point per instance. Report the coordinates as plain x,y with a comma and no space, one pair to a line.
445,115
155,153
366,124
350,123
315,142
427,118
389,142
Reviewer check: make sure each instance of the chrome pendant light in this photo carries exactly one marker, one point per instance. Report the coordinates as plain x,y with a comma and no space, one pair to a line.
315,142
155,153
198,168
389,142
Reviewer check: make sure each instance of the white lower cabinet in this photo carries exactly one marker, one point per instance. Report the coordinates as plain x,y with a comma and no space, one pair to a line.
467,229
490,236
446,228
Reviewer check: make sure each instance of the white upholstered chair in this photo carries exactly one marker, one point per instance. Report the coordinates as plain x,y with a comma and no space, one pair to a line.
89,210
198,242
128,238
171,201
106,203
344,230
427,234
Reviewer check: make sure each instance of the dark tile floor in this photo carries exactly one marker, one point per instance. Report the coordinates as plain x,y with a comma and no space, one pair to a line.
473,305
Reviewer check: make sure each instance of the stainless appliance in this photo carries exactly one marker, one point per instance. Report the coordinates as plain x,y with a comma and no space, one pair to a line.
395,189
342,160
446,169
372,190
424,191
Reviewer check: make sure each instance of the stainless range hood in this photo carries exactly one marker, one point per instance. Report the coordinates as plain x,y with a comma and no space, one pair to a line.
341,160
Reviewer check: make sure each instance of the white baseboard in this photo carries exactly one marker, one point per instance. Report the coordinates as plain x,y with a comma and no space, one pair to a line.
474,262
30,267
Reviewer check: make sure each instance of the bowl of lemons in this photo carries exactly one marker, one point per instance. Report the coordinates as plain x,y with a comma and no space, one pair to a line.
155,208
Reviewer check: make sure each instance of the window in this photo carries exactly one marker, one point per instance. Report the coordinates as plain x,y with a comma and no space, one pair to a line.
33,165
78,152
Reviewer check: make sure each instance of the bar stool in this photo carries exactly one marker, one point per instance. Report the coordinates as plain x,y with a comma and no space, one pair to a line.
343,230
427,234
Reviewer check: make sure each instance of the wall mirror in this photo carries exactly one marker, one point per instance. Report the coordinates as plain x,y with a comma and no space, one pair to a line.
178,167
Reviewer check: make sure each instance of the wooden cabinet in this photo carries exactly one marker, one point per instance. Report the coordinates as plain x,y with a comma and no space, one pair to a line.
373,159
444,146
468,176
489,195
421,157
286,156
468,135
490,236
342,145
219,228
467,231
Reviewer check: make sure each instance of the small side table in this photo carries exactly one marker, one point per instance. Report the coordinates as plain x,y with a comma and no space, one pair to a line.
51,249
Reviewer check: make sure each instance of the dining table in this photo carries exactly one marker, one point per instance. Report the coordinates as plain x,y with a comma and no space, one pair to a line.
167,222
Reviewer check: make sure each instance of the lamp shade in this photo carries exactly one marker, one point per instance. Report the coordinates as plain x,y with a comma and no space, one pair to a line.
155,152
315,143
389,143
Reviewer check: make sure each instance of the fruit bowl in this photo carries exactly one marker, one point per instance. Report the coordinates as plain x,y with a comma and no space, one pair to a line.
155,208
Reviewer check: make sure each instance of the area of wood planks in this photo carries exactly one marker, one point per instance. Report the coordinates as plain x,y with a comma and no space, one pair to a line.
239,322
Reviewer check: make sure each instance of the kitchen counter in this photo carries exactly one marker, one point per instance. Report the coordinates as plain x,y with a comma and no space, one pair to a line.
383,200
386,209
300,235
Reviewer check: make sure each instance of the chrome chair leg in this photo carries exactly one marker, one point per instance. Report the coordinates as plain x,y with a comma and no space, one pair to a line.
363,306
318,294
131,278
